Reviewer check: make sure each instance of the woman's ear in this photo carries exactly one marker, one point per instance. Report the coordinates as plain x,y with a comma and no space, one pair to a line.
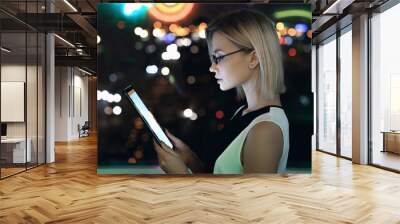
253,61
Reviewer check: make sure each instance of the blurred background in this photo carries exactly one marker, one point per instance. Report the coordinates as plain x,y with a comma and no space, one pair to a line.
161,50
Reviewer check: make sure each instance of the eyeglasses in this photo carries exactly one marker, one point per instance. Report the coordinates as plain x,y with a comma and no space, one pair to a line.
218,59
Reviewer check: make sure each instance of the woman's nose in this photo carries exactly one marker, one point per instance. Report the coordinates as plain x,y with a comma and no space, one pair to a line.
213,68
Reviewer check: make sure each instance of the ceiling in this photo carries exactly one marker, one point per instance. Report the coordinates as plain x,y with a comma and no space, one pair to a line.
77,27
77,22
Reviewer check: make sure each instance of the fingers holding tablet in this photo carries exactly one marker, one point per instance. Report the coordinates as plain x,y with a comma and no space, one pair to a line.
169,160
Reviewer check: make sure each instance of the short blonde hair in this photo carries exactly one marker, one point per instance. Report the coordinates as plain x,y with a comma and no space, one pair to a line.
249,30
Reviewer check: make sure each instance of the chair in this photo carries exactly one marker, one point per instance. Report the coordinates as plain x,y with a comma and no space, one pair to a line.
84,130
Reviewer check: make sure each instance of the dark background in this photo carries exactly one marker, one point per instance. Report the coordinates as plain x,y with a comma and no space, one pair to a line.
124,56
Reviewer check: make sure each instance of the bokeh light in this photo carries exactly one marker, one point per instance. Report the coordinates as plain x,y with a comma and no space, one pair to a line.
202,26
195,36
186,42
165,71
309,34
132,160
117,98
121,25
280,26
170,12
194,117
136,8
152,69
139,154
117,110
171,53
301,28
187,113
138,30
173,27
138,123
202,34
129,8
304,100
151,49
171,79
288,40
108,110
172,47
282,41
113,77
191,79
143,33
293,13
106,96
157,24
292,32
159,33
219,114
292,52
169,38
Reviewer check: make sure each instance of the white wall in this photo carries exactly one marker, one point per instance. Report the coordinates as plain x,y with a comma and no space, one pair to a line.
80,110
61,103
13,75
16,73
71,102
33,127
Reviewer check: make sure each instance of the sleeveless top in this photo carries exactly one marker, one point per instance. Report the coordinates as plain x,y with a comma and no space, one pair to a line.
229,162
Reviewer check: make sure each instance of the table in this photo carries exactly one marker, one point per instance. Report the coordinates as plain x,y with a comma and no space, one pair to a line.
13,150
391,141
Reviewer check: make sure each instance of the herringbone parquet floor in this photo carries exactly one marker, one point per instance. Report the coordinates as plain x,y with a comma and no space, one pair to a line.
70,191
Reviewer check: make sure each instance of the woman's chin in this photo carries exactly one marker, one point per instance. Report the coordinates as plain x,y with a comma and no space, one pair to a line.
223,85
224,88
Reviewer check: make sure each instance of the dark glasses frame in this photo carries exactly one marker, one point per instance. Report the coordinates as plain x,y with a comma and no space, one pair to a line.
218,59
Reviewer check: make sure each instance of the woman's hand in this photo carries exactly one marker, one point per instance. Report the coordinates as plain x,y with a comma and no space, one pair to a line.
181,148
169,160
187,155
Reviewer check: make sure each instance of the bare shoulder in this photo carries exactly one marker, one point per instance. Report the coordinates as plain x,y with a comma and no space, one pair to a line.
263,148
263,130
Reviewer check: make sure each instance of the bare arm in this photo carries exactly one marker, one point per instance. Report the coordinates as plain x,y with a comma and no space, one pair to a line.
262,149
188,156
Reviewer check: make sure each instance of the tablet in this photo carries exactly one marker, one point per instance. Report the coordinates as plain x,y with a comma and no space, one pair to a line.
147,117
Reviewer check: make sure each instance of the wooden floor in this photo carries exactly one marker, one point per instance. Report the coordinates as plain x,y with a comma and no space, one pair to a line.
5,172
70,191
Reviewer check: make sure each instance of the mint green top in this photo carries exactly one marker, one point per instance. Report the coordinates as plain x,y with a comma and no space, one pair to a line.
229,161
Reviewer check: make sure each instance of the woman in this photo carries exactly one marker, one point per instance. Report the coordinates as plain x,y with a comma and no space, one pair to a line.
245,54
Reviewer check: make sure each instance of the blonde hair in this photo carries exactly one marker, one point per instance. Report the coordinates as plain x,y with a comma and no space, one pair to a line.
250,30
